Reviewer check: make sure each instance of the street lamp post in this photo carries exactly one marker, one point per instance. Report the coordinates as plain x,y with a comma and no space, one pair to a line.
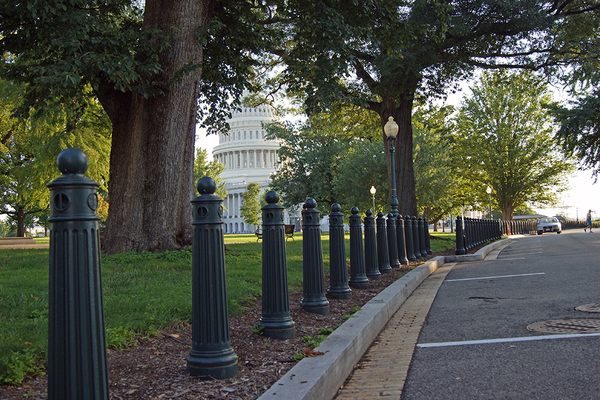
373,191
488,190
391,131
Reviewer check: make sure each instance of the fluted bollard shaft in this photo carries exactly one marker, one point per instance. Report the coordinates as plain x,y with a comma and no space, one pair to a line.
416,237
422,239
410,241
338,272
76,345
427,237
358,276
371,264
276,321
460,242
211,355
382,245
392,241
313,284
401,237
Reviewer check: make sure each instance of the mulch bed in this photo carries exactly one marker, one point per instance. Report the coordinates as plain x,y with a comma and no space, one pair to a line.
156,368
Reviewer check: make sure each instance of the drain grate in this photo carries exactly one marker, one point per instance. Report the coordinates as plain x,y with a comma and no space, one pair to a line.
587,325
594,307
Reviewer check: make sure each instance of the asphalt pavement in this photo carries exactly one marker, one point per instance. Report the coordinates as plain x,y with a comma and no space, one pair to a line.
475,343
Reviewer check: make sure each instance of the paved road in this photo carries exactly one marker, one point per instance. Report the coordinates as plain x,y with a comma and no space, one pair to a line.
553,274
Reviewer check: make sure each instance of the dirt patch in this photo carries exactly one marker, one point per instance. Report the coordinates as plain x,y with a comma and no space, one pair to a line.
156,367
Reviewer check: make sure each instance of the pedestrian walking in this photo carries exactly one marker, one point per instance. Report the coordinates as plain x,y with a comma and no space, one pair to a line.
588,221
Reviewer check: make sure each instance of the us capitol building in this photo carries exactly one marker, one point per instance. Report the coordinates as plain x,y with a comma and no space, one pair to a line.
248,158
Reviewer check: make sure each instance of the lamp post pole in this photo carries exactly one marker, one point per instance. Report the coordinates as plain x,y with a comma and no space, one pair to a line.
373,191
391,130
488,190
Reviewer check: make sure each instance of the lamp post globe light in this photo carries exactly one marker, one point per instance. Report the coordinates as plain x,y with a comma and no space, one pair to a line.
488,190
391,131
373,191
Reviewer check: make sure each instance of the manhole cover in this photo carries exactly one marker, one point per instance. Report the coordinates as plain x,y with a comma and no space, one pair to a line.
566,326
594,307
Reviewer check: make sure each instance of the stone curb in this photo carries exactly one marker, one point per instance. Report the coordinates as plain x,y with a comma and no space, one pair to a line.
482,253
320,377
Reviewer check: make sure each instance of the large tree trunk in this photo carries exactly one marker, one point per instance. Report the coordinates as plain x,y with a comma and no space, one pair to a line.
20,218
151,163
405,174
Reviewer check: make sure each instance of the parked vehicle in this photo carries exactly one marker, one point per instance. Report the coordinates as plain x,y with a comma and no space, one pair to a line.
551,224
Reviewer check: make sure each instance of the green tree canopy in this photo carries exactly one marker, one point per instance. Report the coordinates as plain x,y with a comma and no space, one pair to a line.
504,140
438,183
379,54
342,150
30,145
155,67
250,209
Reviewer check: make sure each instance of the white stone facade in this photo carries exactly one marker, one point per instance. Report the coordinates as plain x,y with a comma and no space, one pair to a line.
248,158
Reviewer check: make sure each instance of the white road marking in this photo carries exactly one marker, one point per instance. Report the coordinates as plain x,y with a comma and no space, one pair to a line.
518,253
508,340
494,277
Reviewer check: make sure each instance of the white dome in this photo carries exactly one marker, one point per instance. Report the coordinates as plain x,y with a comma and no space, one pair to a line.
248,158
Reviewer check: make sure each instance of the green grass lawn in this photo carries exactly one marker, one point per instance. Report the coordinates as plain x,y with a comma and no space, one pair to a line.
143,292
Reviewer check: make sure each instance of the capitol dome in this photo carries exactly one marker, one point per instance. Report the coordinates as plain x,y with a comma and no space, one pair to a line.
248,158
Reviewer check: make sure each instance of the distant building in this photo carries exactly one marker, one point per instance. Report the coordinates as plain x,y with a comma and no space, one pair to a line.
248,158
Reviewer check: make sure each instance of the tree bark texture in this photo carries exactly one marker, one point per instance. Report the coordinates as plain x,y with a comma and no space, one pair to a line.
405,175
20,217
152,151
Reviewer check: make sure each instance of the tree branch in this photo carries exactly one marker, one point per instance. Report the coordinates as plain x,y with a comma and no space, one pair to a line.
363,74
531,67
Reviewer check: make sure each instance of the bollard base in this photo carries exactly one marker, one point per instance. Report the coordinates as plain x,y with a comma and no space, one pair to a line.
386,269
359,284
316,306
395,266
280,329
341,293
212,365
374,275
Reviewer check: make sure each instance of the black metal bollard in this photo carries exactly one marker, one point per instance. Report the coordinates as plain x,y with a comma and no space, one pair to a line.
427,238
460,242
382,245
422,240
313,293
468,233
392,243
276,321
410,242
401,237
211,354
338,272
76,345
358,277
417,243
371,264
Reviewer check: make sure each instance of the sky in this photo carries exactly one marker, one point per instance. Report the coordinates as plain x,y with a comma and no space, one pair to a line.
581,195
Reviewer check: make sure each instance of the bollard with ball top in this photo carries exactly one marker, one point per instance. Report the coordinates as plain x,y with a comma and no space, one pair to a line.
383,256
276,321
76,343
338,272
358,276
371,264
313,284
211,355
